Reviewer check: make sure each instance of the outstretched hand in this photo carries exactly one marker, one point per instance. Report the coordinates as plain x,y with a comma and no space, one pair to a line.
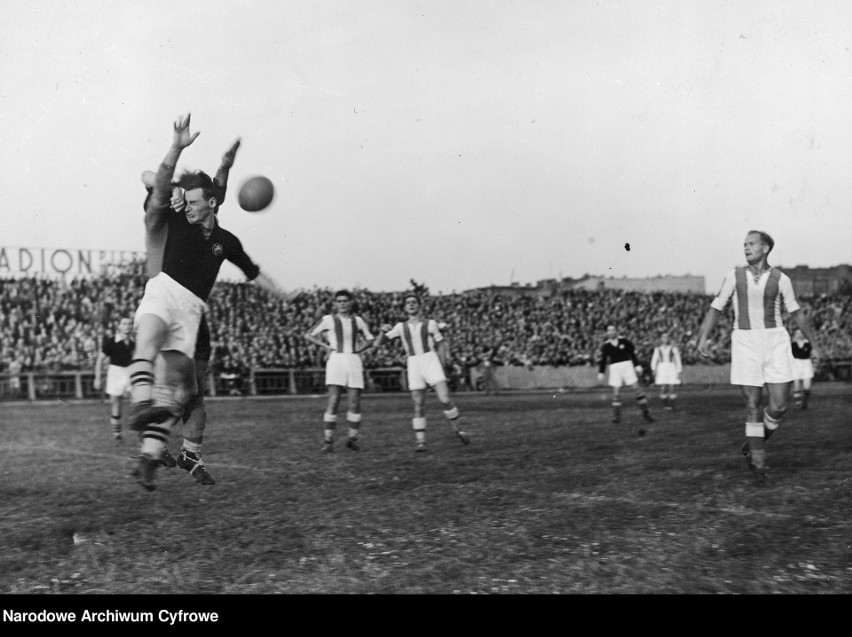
183,136
291,296
231,154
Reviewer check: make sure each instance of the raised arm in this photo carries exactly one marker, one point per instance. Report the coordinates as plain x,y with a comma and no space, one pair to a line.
158,206
221,178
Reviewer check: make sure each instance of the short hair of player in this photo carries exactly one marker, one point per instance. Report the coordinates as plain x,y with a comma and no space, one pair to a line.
345,293
765,239
412,295
199,179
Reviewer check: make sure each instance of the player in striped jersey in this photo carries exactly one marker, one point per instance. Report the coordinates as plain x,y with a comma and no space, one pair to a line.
426,350
803,369
667,368
760,346
344,367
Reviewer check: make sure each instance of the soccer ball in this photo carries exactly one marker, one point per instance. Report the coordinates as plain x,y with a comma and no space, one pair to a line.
256,193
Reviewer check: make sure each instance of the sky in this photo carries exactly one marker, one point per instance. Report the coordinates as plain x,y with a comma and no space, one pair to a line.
459,143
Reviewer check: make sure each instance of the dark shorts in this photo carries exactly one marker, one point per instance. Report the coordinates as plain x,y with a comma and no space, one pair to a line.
202,342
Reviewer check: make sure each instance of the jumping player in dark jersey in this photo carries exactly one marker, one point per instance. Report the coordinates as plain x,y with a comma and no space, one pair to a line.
195,413
169,315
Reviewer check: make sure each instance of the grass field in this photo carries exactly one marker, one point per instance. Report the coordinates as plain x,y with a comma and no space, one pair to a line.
550,497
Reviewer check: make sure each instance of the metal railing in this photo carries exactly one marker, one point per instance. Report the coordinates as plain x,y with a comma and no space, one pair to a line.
271,382
261,382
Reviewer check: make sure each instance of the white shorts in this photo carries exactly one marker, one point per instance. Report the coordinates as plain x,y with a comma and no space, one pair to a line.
424,369
803,369
117,380
666,374
622,373
761,356
179,308
346,370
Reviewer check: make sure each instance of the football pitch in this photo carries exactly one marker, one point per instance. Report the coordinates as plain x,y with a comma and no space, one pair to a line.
550,497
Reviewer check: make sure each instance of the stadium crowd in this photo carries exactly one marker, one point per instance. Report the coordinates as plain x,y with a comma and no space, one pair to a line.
49,325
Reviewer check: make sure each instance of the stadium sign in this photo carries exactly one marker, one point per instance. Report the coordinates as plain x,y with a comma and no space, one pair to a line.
62,262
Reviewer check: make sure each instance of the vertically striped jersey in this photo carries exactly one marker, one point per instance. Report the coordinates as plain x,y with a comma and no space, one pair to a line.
757,304
666,354
342,333
417,338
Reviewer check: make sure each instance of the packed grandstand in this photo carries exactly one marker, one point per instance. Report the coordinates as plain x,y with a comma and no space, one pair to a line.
51,325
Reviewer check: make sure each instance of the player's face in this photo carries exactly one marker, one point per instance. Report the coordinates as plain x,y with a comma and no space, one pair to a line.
342,303
799,335
754,248
664,339
124,326
198,209
412,305
611,332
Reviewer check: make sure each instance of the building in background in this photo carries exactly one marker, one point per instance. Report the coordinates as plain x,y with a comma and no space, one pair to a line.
816,281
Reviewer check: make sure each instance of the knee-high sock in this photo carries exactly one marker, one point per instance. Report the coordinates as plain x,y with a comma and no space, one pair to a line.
354,421
329,423
155,437
419,426
770,424
141,373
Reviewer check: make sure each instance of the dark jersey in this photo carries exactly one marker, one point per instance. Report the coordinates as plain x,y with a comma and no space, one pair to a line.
803,350
194,261
622,351
120,353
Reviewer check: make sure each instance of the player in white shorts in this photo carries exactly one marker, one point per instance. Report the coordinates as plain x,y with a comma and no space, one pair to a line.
760,346
169,315
667,368
803,369
118,351
620,354
426,350
347,335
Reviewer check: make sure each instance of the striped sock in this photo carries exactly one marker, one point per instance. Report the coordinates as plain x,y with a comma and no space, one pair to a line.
354,421
141,373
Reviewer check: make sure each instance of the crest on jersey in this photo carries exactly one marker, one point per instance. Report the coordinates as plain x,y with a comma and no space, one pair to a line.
218,250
